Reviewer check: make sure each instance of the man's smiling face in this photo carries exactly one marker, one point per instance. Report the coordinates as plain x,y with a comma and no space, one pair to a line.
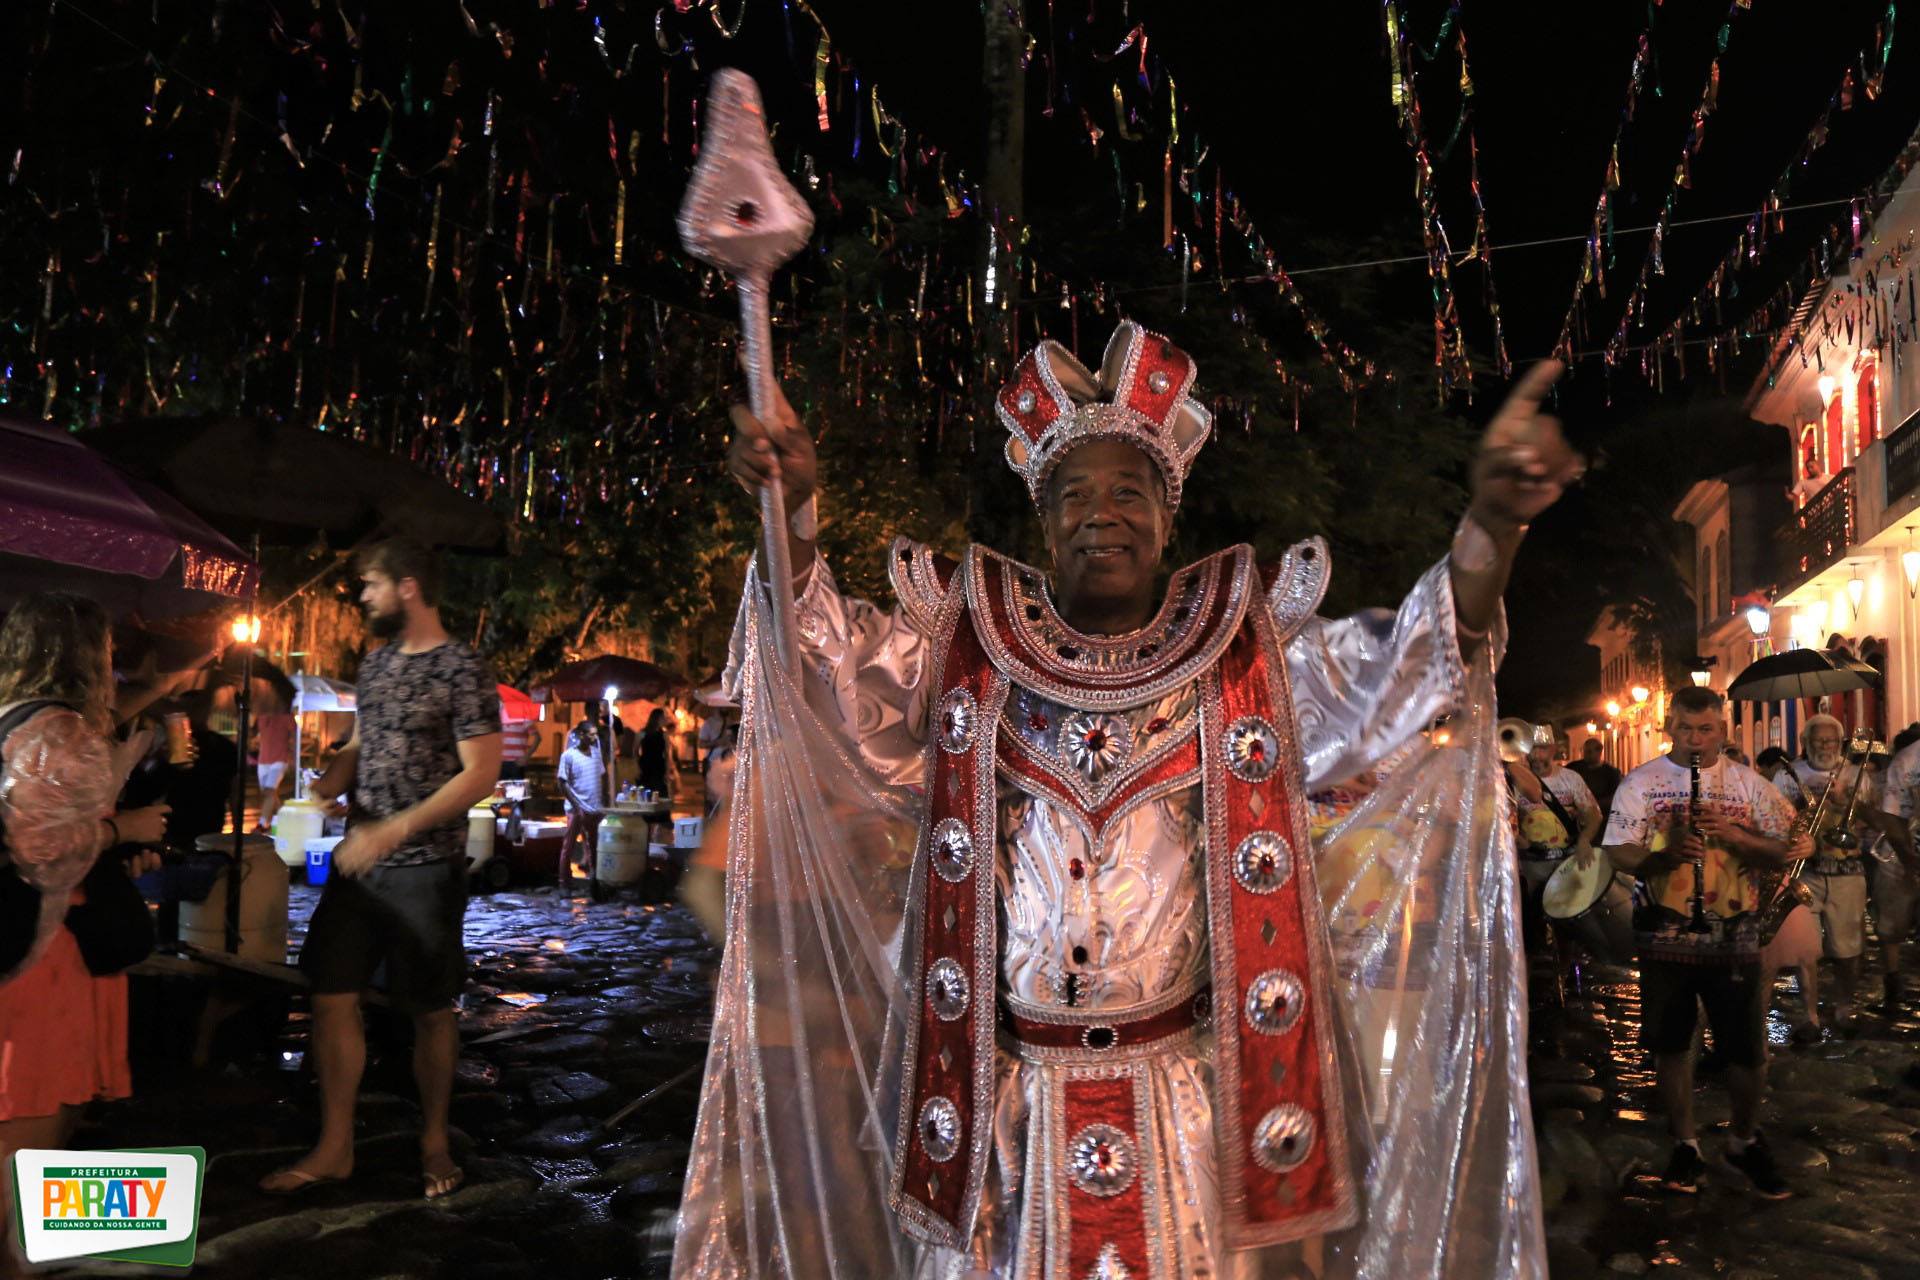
1106,522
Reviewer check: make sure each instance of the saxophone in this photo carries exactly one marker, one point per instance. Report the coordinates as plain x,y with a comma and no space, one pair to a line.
1780,891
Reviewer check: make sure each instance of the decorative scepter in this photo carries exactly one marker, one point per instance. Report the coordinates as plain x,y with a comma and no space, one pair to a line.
743,216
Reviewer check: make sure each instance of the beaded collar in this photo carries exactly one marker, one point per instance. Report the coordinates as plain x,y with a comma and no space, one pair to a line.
1026,638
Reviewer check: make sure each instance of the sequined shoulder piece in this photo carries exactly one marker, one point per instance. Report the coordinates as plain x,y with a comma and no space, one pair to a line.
1296,583
920,577
1025,638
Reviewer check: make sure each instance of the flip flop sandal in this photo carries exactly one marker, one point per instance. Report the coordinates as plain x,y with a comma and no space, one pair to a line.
303,1182
444,1184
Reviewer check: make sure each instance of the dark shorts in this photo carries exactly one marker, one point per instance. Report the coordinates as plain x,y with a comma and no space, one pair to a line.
410,918
1735,997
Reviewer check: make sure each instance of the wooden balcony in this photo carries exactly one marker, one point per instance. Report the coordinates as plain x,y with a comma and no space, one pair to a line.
1820,532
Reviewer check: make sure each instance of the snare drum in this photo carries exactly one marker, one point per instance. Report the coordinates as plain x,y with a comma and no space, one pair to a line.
1592,903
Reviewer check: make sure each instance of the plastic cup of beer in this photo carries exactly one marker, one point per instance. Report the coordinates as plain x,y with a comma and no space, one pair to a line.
179,738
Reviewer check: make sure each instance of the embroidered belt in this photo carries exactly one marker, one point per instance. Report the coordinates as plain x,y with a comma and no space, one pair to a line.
1092,1035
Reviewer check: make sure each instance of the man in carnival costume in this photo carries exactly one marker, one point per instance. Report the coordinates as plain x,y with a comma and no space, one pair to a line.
1034,964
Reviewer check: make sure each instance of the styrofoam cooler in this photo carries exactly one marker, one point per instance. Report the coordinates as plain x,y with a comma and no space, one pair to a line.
263,902
687,832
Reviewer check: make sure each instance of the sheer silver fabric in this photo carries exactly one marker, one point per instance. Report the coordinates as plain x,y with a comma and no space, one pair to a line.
1418,893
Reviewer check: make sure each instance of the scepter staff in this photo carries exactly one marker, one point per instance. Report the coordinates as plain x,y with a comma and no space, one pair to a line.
743,216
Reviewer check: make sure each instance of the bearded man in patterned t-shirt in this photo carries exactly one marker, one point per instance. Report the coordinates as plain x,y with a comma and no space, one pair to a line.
425,749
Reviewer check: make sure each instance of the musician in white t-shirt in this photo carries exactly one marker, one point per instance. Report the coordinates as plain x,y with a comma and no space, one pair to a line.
1695,849
1563,821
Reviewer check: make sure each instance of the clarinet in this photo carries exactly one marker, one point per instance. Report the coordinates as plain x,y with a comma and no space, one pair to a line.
1699,922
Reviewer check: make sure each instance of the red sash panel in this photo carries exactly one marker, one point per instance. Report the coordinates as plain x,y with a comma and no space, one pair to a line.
948,1109
1284,1171
1104,1151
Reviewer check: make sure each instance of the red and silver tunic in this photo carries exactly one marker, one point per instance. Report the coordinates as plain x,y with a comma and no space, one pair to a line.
1114,851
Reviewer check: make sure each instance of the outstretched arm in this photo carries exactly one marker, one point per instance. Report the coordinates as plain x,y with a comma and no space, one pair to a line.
1523,467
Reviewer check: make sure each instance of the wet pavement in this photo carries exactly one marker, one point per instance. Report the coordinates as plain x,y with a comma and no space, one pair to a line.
1843,1123
573,1010
576,1010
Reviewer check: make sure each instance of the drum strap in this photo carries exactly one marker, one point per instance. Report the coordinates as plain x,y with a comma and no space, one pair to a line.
1559,811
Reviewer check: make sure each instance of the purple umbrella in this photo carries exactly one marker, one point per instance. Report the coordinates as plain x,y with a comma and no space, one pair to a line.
70,520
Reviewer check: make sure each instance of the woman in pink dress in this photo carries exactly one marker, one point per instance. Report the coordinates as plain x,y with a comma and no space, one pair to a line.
63,1031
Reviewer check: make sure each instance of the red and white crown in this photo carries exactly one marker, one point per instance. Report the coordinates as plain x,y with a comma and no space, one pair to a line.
1054,403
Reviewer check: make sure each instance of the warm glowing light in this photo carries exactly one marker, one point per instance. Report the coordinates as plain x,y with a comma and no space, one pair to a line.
613,695
1816,615
1641,693
1856,592
1592,727
1826,385
1441,737
1910,565
246,629
1613,708
1701,678
1758,620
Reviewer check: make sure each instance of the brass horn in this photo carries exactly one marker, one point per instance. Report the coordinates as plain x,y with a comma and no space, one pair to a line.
1516,738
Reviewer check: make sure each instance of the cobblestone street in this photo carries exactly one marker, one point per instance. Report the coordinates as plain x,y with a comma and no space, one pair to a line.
573,1010
1844,1124
576,1010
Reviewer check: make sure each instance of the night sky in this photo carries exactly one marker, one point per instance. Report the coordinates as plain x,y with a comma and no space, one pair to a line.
1294,98
1298,102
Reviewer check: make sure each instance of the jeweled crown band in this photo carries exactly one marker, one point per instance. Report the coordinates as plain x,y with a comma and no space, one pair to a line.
1141,396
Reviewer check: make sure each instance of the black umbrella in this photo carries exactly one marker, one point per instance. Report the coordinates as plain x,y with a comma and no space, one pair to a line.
286,483
1867,671
1797,673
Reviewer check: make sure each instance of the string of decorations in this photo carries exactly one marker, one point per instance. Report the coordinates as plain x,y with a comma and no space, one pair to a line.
1598,258
1454,370
1880,293
542,344
1654,263
488,460
1866,76
1482,248
1197,203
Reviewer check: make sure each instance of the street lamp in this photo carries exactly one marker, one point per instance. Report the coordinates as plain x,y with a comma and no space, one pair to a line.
1759,621
246,629
613,746
1640,693
1613,709
1910,565
1856,590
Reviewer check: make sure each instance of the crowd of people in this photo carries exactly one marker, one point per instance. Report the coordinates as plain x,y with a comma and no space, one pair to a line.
1703,854
1737,873
97,779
